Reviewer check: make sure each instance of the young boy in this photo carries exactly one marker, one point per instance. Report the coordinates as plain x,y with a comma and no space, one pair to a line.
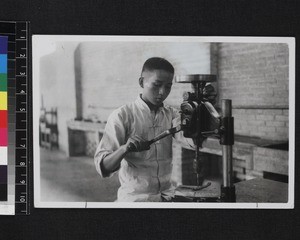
146,172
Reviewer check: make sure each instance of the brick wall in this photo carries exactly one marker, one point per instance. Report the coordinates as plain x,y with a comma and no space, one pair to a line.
263,123
255,76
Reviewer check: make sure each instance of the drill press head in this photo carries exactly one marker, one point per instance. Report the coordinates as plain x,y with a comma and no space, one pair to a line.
194,115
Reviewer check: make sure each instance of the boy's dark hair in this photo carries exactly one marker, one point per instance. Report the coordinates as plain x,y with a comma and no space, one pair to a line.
157,63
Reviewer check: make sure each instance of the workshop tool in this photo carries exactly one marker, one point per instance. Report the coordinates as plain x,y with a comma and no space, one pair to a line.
164,134
197,114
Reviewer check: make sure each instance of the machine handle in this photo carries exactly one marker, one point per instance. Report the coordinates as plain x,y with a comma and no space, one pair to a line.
166,133
133,148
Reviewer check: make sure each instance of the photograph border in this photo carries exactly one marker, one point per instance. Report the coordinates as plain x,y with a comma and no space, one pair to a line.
37,42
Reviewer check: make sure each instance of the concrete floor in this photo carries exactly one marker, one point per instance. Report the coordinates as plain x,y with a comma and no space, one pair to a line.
73,179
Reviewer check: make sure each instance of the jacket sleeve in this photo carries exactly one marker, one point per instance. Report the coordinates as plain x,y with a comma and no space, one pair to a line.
113,137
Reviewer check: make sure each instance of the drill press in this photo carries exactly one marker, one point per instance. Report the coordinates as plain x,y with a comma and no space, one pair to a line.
196,111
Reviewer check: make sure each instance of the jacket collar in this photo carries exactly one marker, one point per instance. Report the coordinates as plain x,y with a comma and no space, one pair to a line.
146,106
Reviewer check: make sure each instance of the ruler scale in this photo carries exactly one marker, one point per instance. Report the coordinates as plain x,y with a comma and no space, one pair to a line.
21,152
17,82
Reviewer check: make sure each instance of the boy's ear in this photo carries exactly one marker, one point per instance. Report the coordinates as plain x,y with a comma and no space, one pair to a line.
141,82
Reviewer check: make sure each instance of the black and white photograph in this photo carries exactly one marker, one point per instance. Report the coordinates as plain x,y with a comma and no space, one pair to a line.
163,122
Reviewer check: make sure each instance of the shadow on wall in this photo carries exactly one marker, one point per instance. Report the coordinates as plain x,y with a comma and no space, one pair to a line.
107,73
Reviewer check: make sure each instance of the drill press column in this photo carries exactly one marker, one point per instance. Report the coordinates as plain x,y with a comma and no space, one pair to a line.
227,148
227,140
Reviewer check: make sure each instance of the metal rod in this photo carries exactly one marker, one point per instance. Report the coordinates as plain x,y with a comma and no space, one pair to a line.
227,165
197,157
227,149
166,133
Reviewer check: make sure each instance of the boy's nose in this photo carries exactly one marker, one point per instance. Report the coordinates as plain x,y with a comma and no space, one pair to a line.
162,91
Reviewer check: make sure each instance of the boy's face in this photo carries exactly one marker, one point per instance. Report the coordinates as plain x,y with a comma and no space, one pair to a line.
156,86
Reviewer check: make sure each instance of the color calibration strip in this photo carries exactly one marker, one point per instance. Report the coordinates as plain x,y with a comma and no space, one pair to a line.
3,118
7,30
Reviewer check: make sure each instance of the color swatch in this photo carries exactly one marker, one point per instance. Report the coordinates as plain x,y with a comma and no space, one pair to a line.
3,118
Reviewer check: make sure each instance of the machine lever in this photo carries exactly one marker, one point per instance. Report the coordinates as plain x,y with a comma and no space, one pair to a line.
164,134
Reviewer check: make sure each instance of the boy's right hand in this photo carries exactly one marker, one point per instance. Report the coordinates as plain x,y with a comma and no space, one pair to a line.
137,144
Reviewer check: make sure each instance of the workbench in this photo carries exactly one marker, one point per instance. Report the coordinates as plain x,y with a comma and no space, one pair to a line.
256,190
261,190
